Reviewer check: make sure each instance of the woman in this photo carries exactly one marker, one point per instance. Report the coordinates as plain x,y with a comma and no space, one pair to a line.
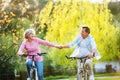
31,46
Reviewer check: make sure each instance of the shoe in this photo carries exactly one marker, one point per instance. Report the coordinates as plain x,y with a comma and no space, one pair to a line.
92,77
28,79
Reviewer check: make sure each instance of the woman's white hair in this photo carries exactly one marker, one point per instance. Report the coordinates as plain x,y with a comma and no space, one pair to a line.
28,32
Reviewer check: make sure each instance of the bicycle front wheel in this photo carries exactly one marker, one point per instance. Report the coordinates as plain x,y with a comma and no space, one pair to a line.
31,74
86,76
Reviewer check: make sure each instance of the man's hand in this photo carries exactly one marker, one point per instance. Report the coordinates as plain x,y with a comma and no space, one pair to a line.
62,46
91,55
58,46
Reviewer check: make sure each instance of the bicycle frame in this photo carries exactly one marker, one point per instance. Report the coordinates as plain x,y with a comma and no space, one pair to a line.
33,68
82,73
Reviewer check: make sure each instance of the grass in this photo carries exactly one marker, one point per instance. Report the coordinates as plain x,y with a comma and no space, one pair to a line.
108,79
58,77
107,74
97,77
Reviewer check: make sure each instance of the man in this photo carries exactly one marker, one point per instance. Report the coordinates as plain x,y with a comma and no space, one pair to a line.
85,46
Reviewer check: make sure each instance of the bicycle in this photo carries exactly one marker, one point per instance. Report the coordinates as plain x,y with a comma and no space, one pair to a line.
83,72
33,68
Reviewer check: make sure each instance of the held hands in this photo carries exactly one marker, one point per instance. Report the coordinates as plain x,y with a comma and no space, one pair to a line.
60,46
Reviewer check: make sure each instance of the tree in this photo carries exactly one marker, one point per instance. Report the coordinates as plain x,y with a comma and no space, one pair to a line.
16,16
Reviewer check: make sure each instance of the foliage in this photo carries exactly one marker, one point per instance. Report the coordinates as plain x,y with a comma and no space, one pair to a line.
115,10
10,38
23,8
16,16
114,7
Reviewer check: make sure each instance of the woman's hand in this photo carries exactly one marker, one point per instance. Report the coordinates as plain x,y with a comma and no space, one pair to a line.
20,54
62,46
58,46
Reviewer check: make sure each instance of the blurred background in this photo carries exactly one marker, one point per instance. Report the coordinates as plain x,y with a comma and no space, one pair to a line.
59,21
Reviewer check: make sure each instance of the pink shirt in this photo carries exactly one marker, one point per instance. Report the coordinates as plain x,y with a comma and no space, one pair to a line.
33,48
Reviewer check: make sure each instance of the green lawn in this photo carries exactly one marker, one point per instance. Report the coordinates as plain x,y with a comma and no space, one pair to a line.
105,76
108,79
74,78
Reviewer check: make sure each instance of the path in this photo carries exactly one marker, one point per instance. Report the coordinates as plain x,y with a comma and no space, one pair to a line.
103,77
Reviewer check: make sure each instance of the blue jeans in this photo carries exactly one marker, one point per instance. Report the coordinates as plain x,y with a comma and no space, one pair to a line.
39,66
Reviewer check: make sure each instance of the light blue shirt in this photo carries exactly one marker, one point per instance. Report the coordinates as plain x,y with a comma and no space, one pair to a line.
85,46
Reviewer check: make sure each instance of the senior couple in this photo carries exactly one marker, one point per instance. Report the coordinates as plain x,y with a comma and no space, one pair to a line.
84,42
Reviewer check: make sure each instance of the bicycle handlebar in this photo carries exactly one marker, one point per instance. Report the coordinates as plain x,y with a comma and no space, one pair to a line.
38,54
86,57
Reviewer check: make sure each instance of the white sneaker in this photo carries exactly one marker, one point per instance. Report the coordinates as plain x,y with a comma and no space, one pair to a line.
92,77
28,79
